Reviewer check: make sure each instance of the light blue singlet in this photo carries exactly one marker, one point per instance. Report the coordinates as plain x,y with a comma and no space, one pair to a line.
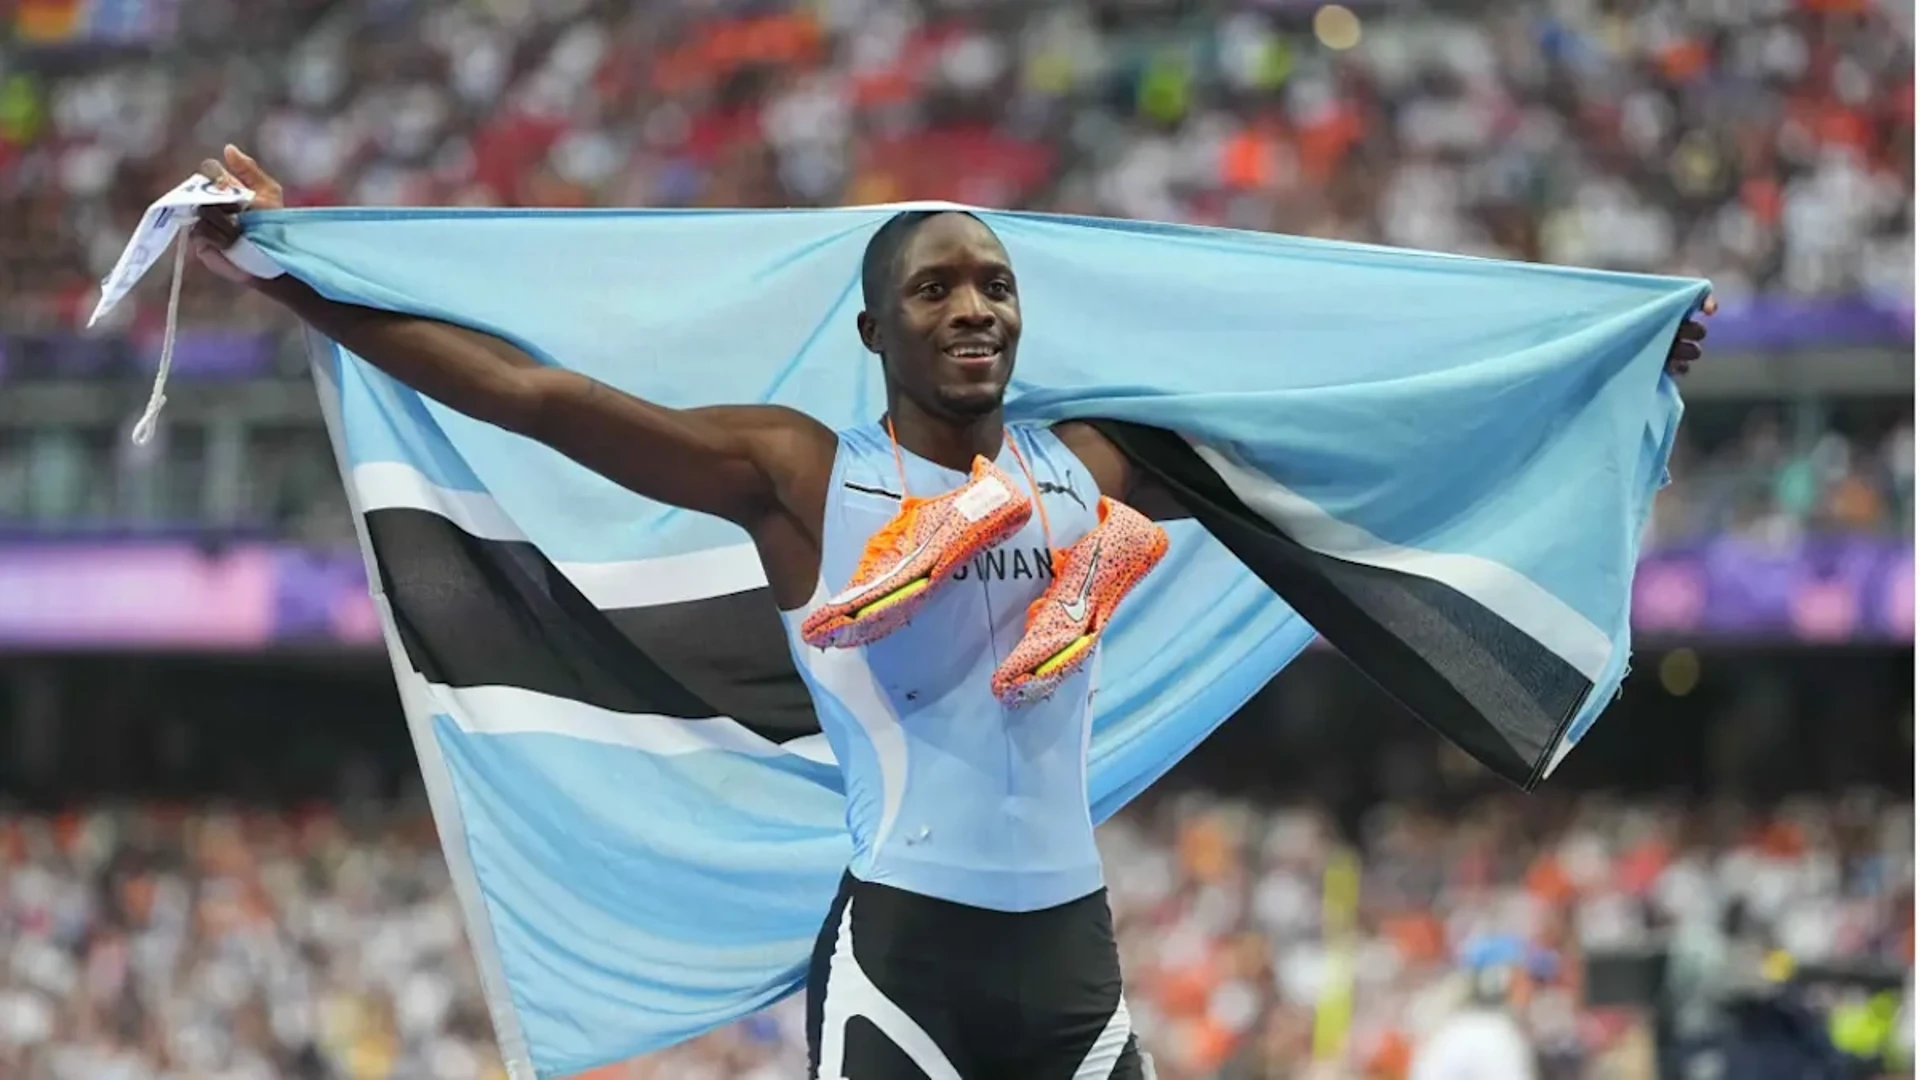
949,794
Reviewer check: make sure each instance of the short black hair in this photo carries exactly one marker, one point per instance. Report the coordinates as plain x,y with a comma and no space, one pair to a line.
877,266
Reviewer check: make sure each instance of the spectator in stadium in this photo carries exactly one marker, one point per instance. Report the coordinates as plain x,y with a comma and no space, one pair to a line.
1767,148
1482,1039
179,925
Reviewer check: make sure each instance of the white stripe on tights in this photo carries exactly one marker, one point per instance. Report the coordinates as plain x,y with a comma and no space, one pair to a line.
1104,1054
849,993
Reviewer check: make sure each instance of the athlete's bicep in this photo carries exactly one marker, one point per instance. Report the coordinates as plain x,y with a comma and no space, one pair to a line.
734,462
1117,475
794,451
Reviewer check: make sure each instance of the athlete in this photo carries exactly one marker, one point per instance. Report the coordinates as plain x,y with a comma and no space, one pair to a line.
971,936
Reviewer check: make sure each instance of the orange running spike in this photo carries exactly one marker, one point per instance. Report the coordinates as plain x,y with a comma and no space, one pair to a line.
1089,581
908,559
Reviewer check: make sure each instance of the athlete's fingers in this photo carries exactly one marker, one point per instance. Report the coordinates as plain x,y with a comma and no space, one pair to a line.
1693,331
267,194
1712,305
244,168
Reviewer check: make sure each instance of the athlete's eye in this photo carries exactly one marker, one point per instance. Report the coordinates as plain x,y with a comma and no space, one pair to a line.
931,290
999,289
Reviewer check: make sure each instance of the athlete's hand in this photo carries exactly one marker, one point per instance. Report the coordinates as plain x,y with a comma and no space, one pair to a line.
1686,344
219,226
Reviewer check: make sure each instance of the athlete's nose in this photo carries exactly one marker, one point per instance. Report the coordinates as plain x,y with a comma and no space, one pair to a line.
970,311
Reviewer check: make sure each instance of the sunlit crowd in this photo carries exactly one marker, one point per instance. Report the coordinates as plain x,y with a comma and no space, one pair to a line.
156,943
1767,145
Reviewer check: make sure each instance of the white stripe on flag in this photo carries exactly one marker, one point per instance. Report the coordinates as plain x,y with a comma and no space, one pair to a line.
611,586
394,485
1499,588
510,710
1568,739
515,1055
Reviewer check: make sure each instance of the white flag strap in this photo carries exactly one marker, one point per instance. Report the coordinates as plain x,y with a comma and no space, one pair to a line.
157,399
164,223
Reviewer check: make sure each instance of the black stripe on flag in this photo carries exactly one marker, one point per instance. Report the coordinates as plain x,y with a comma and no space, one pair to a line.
473,612
1485,685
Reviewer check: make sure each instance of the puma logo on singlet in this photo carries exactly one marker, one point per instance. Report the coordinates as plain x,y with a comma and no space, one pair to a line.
1049,487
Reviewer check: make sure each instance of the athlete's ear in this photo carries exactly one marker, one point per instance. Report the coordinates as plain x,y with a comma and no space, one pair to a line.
869,328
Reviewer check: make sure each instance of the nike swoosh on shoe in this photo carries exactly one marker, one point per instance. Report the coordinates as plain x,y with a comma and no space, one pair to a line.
1077,609
855,591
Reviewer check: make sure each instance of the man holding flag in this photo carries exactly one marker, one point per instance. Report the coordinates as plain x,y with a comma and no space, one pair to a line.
943,578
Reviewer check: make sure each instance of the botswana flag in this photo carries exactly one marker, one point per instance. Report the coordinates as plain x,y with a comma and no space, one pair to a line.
1441,464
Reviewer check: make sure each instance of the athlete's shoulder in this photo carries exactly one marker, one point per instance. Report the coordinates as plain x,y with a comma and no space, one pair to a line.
864,436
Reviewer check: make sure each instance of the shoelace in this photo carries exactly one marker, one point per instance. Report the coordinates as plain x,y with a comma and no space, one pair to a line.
156,400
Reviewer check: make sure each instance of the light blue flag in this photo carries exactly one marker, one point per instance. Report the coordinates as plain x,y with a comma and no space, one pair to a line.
1444,463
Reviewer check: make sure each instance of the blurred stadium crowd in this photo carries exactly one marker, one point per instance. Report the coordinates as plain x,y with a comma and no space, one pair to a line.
1767,144
155,943
1771,481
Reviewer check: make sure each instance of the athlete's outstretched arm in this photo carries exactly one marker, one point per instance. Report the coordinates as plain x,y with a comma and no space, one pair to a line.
716,460
736,462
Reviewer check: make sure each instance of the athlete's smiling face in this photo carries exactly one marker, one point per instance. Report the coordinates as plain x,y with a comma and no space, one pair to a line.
948,332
